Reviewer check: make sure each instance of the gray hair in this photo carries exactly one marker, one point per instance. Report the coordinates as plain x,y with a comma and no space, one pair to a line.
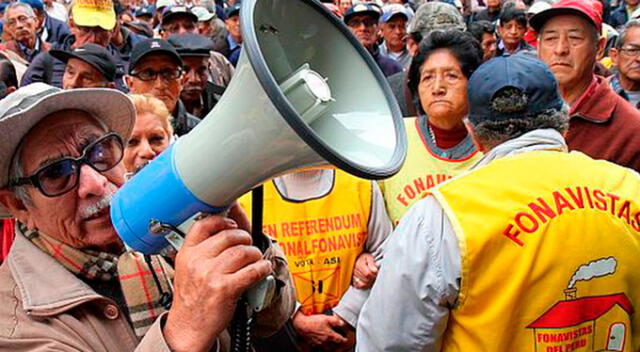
635,23
16,171
28,9
491,133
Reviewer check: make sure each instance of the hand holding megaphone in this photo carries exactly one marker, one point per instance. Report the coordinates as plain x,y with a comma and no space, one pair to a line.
215,266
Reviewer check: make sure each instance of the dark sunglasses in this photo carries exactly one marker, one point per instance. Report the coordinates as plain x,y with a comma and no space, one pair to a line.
60,176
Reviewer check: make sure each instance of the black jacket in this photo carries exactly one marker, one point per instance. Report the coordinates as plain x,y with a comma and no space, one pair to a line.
183,121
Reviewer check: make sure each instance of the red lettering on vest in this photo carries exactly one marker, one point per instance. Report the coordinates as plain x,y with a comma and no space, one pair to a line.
561,202
542,210
409,192
600,202
285,229
576,199
528,229
401,199
513,235
418,183
588,195
636,223
430,181
613,198
270,230
625,212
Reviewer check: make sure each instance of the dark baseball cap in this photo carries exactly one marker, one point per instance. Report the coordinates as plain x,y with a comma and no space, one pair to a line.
93,54
367,8
233,9
521,71
176,10
148,10
152,46
191,44
590,10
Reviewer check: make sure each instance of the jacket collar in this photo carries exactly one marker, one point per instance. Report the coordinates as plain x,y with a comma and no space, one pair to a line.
598,107
47,288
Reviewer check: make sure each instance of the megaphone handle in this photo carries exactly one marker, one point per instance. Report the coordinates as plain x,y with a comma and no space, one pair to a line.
257,207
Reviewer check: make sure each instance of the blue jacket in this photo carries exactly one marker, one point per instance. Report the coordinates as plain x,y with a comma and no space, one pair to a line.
618,16
56,29
45,68
388,65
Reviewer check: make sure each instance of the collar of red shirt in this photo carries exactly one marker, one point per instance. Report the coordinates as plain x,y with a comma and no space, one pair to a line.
597,103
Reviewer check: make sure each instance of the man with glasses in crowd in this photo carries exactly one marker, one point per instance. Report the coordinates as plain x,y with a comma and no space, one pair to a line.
362,20
21,23
69,284
626,58
156,68
91,22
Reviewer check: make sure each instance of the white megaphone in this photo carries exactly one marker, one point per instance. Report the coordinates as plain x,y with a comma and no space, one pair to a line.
304,93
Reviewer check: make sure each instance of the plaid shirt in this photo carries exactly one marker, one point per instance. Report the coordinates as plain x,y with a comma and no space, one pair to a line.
145,280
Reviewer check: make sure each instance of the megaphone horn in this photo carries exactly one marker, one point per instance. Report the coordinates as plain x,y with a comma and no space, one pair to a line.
304,93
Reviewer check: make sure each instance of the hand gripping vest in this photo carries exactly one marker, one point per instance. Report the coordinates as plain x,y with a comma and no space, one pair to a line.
550,246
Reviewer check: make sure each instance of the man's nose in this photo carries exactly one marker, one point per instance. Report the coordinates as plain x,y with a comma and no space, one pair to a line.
145,151
91,183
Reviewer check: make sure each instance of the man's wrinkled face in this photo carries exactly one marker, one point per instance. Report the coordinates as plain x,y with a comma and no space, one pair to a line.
79,74
566,44
75,217
96,35
489,46
21,26
395,31
165,89
365,28
627,58
195,77
443,86
178,24
512,32
233,27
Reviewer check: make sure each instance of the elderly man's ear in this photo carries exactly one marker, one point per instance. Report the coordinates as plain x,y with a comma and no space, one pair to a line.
16,207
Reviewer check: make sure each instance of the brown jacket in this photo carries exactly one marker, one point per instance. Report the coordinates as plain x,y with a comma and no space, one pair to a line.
605,126
44,307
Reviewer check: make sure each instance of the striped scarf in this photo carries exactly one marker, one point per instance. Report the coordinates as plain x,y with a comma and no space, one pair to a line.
147,295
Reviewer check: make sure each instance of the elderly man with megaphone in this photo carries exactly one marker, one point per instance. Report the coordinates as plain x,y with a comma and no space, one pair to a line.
68,283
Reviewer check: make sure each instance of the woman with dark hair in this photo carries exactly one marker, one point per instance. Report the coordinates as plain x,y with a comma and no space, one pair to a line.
439,146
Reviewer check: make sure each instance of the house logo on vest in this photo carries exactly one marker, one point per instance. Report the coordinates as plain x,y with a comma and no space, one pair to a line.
596,323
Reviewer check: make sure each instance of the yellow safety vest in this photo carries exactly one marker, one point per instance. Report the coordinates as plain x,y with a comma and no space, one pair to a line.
550,246
421,171
321,238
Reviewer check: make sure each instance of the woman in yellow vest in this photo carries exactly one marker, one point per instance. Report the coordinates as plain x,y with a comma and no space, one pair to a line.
535,249
324,220
439,146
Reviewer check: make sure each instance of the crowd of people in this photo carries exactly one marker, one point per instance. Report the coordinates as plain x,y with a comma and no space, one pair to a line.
513,225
